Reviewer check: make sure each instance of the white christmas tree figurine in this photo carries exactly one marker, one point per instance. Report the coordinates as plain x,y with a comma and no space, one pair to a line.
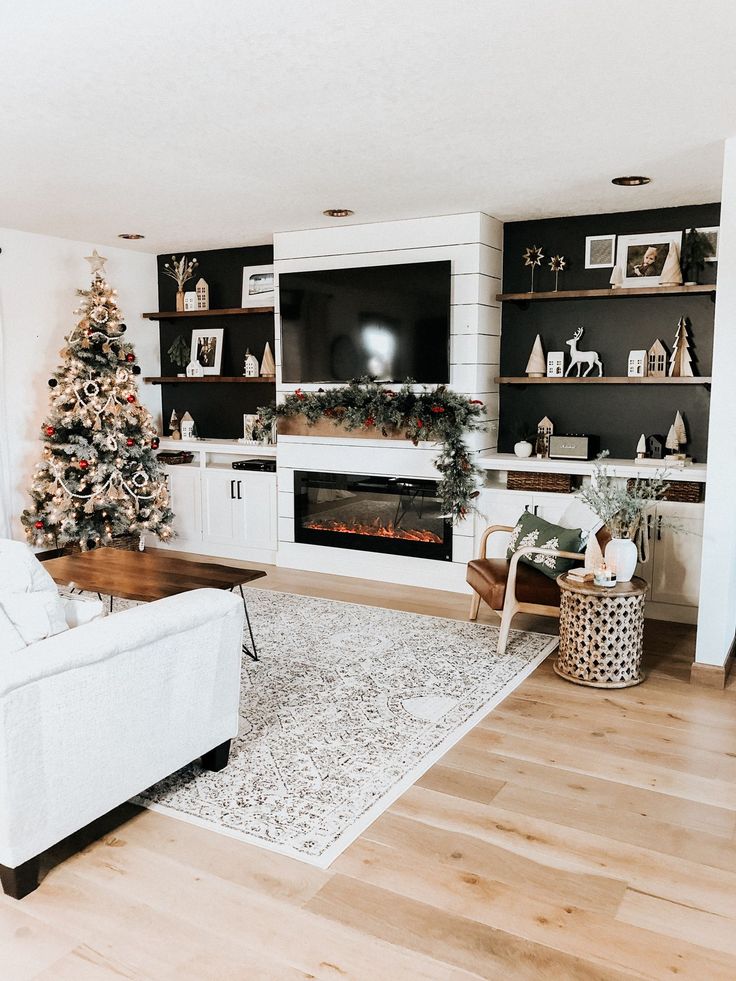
671,442
268,365
537,365
98,478
680,431
641,447
680,361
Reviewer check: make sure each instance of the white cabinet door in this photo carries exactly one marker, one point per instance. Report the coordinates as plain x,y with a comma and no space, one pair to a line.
676,559
186,502
222,523
256,493
551,507
499,508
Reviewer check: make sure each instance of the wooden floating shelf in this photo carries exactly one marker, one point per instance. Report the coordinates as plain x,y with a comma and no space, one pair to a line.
229,379
606,380
228,312
606,294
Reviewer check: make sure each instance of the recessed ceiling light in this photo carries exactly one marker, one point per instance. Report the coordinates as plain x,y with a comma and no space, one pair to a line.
635,181
338,212
131,235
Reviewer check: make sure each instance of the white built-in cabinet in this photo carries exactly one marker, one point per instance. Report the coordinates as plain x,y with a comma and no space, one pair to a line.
219,510
499,507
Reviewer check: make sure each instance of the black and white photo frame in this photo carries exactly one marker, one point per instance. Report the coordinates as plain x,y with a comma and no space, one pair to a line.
207,349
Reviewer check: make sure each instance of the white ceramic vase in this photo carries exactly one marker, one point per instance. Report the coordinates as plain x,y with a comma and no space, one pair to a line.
622,556
523,449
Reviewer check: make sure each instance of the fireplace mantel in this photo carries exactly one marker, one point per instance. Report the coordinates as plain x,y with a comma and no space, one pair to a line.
299,426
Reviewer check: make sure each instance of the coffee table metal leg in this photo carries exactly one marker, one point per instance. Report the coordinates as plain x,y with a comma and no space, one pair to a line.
252,654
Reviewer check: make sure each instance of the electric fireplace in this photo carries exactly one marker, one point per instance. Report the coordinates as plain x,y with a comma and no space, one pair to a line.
398,515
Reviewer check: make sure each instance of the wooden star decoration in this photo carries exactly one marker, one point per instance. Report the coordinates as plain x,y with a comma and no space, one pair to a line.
96,263
533,256
557,263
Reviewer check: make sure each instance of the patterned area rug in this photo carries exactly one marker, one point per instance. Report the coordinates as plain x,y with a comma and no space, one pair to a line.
347,707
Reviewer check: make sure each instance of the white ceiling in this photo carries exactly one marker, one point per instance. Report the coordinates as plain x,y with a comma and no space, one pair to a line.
206,125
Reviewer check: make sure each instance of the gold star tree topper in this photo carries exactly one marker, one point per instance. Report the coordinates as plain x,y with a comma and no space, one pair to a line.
96,264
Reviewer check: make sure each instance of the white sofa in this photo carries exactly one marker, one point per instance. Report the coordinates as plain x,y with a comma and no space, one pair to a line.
93,715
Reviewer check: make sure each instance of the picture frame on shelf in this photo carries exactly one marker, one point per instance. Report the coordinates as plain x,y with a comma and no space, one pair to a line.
642,257
258,286
600,251
207,349
711,234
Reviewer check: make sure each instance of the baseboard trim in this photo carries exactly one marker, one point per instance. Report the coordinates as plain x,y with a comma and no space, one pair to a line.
713,675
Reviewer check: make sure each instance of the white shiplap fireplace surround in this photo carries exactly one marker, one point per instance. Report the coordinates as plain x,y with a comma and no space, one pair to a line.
472,243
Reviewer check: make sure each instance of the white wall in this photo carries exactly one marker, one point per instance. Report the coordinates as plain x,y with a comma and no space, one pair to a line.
38,279
717,616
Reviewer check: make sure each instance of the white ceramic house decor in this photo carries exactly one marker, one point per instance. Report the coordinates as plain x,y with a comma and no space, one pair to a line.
637,364
555,364
190,300
250,365
187,426
545,428
203,295
579,358
195,369
536,366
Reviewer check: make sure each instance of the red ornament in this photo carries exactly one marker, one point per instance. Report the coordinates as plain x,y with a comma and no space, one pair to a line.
299,393
130,357
420,424
437,409
50,430
131,398
83,464
39,524
130,442
370,421
476,402
155,443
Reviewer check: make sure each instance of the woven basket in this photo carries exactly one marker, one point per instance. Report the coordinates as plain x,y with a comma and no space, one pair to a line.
173,457
552,483
682,491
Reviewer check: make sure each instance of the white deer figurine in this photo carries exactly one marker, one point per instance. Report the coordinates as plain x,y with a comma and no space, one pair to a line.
580,358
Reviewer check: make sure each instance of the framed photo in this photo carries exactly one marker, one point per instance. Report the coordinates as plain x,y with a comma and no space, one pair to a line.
712,235
258,286
207,349
600,251
641,258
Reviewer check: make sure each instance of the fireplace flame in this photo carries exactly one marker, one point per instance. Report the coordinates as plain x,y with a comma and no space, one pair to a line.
376,529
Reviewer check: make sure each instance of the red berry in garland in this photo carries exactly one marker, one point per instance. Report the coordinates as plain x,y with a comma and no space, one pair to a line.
83,464
420,424
437,409
131,398
130,442
370,421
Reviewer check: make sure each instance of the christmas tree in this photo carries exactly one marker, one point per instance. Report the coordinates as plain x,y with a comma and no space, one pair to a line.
680,360
98,478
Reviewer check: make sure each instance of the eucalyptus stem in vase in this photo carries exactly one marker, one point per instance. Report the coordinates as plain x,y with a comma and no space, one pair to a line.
181,272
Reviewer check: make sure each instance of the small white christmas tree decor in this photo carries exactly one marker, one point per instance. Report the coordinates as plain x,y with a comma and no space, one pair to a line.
680,359
671,442
680,431
671,274
641,447
268,365
537,364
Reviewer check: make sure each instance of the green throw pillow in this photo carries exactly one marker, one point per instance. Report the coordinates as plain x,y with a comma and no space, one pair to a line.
532,530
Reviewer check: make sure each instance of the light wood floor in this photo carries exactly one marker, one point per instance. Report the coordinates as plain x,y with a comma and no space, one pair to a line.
573,834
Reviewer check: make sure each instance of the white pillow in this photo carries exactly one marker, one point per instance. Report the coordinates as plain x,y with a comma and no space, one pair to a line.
20,570
80,610
577,514
10,639
35,616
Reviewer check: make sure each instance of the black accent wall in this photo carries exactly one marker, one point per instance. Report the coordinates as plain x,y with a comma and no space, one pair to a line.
613,327
217,409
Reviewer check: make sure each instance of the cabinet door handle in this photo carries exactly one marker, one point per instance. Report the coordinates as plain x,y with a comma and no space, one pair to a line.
239,488
526,507
536,509
659,528
232,490
649,527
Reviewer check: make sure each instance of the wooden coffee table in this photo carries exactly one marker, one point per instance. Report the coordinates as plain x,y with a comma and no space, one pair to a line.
147,576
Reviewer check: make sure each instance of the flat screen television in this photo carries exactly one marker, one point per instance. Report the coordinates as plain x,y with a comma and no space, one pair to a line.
385,322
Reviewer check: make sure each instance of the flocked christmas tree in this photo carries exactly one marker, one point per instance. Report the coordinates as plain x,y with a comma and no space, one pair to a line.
99,478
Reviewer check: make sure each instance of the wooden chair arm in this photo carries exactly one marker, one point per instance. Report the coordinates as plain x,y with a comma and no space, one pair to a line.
530,550
491,530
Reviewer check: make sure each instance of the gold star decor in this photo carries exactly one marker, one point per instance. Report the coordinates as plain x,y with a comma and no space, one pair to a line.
96,264
533,257
557,264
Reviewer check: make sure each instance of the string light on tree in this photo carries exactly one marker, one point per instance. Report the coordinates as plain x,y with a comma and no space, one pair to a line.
98,471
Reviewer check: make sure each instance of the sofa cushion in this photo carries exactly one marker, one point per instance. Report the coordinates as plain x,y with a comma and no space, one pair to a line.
532,530
20,570
35,616
488,578
10,640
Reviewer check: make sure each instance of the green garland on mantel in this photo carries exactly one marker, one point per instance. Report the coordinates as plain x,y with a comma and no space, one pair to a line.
434,416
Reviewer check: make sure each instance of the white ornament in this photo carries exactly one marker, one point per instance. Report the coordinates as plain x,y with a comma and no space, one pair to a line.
195,369
579,358
250,365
